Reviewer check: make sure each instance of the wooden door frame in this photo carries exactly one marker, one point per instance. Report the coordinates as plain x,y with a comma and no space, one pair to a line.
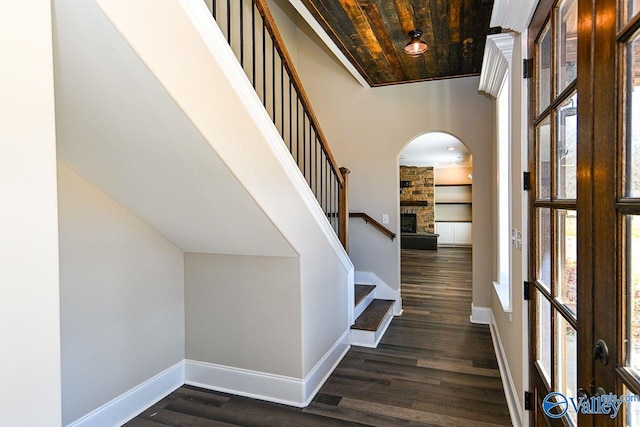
540,18
597,187
597,191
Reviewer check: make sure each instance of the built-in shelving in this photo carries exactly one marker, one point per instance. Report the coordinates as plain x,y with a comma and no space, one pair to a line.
453,203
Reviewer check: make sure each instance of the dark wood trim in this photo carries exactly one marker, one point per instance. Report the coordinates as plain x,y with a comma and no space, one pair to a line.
415,203
270,25
374,223
602,187
453,185
632,26
453,203
343,209
556,204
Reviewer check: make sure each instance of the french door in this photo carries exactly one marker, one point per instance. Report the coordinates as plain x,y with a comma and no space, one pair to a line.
584,303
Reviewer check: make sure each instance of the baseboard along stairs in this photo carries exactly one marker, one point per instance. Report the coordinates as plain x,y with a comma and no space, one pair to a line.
373,316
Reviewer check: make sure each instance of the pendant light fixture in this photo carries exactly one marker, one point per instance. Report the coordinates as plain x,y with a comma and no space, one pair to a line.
416,46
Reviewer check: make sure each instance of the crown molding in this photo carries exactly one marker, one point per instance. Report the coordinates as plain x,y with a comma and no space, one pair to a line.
496,62
513,14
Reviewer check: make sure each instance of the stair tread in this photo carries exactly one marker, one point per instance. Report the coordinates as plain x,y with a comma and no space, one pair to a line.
362,291
372,316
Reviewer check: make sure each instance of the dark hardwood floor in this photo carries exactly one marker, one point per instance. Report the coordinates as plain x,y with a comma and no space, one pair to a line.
432,368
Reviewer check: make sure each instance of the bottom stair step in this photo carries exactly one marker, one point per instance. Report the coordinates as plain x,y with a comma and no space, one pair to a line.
373,316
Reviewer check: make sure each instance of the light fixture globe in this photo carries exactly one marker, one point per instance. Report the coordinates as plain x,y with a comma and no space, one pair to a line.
416,46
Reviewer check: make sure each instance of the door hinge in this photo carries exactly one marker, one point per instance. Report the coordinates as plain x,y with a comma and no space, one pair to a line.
527,290
526,181
528,400
527,68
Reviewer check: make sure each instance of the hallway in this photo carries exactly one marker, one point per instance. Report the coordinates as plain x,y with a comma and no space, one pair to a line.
432,367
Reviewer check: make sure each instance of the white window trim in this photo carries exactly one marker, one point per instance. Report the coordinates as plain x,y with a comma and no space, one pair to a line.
496,77
502,285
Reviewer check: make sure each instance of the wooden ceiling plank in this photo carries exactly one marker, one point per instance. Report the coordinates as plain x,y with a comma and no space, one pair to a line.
405,15
478,20
372,35
368,37
414,67
326,18
424,21
404,11
455,21
469,34
440,28
380,29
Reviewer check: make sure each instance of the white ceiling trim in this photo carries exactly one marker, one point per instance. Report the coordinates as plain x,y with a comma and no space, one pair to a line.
315,26
496,62
513,14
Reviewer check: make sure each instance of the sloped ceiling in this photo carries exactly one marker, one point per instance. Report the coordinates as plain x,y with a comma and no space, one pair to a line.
119,129
373,33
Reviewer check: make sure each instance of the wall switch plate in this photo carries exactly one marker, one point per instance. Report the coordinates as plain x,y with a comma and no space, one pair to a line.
385,219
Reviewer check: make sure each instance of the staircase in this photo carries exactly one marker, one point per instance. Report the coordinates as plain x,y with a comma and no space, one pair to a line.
257,44
373,316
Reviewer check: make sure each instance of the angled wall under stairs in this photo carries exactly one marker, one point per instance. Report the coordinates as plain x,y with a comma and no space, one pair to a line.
153,110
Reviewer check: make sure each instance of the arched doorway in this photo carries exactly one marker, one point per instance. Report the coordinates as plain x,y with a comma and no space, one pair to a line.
436,176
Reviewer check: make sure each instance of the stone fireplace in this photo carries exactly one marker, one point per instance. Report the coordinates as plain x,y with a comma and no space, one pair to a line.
408,223
417,190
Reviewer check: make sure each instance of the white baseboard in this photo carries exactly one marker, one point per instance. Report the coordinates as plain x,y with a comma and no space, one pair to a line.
325,367
264,386
131,403
480,315
382,290
513,401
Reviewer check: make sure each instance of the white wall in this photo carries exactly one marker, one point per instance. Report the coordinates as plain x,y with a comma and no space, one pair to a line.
121,298
256,295
445,176
368,128
29,286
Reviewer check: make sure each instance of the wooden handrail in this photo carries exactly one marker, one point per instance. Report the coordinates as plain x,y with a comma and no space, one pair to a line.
374,223
269,23
308,145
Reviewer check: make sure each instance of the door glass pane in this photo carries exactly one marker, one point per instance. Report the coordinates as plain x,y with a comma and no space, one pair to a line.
544,247
544,159
633,291
566,149
566,256
543,341
633,117
632,408
633,7
544,69
567,46
566,362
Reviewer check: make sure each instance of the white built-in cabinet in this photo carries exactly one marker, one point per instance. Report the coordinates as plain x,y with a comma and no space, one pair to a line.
454,233
453,214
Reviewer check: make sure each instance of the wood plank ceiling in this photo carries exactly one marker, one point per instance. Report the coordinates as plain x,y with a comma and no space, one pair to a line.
373,33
